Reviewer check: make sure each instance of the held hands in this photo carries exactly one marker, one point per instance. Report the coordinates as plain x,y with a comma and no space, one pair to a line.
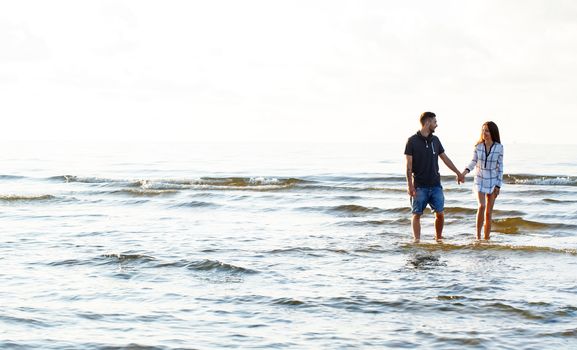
461,177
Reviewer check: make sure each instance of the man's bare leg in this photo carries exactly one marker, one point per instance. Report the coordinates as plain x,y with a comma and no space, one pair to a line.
416,227
439,224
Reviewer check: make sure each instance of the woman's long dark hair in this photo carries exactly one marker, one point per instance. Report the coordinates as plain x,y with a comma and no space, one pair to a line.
493,130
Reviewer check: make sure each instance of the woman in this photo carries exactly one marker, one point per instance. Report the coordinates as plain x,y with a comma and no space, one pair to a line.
488,162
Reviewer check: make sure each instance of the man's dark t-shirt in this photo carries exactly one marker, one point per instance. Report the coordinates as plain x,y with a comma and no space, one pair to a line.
425,152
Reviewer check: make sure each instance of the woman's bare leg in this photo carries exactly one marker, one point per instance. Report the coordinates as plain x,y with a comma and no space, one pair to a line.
480,212
489,213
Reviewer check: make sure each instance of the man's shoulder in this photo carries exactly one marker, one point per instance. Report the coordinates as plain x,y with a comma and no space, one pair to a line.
413,138
411,145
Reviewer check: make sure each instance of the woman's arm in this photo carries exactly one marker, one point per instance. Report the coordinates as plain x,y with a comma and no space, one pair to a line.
500,168
473,163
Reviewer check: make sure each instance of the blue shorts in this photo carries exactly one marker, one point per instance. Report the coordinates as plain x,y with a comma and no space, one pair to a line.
428,195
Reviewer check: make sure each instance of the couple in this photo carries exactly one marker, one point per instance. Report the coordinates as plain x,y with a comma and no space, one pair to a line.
424,181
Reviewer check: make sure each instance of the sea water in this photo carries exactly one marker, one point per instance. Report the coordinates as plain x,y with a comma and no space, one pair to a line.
272,246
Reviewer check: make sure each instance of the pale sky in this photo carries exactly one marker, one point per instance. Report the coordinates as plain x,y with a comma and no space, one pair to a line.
323,71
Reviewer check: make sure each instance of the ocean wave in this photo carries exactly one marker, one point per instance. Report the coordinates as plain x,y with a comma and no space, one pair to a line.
402,221
208,266
450,297
90,180
267,300
398,210
147,261
487,246
122,258
514,225
319,187
350,210
568,333
559,201
373,223
367,305
348,198
231,183
218,266
68,262
130,346
67,345
515,311
390,184
28,322
26,198
403,190
106,259
288,302
331,181
460,210
357,179
11,177
307,251
205,183
472,211
542,180
539,192
354,209
357,209
523,179
374,249
144,192
196,204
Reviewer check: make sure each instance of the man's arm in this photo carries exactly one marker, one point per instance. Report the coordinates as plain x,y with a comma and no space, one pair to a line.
410,186
450,165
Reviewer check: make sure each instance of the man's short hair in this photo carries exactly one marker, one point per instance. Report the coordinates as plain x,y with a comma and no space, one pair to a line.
425,116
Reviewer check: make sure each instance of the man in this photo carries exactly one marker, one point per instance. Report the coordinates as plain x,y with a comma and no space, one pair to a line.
423,179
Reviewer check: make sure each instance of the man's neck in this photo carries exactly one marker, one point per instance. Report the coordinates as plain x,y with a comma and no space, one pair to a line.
425,132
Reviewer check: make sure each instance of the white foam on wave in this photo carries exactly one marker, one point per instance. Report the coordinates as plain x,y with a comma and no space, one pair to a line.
258,181
253,183
548,181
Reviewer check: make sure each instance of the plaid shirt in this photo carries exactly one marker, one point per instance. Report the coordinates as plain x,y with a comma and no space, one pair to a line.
489,167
